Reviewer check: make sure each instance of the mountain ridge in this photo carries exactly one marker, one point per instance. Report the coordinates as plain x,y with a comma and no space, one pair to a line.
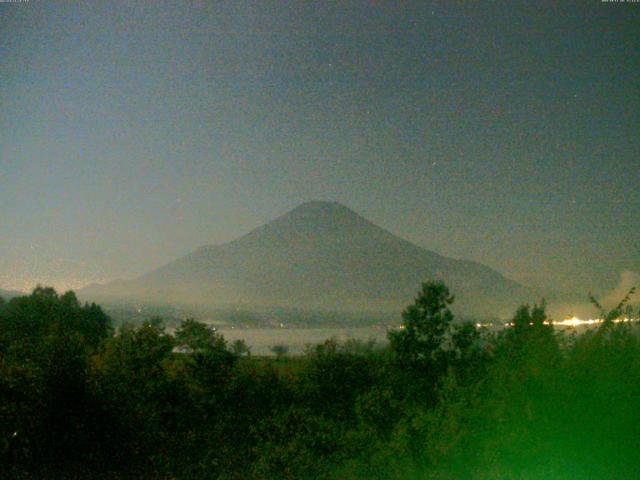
320,255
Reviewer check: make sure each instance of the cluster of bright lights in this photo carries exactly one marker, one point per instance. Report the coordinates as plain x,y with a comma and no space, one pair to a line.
578,322
484,325
567,322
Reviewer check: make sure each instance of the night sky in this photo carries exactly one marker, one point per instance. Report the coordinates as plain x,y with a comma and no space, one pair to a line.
133,132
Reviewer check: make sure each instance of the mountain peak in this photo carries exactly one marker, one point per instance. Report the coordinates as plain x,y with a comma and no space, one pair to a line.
322,206
319,214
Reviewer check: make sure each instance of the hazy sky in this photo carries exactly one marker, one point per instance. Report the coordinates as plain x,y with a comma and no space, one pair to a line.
133,132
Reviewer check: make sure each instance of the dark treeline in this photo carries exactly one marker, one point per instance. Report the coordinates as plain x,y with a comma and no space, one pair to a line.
442,401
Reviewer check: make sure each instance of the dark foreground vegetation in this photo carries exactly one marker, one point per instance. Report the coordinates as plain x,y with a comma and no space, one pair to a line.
442,401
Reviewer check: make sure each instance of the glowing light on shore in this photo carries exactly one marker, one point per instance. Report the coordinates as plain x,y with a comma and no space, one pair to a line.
571,322
576,322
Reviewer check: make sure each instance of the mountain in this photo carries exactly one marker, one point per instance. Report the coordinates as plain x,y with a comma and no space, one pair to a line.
321,255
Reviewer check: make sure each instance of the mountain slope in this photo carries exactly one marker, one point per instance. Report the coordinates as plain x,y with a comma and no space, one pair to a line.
9,294
321,255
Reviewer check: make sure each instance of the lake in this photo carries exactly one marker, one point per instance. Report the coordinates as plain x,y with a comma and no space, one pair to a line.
262,339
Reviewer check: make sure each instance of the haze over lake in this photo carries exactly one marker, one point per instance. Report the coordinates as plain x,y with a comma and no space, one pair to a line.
261,340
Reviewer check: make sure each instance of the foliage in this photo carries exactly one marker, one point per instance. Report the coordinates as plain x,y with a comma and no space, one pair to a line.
444,400
618,311
239,347
197,336
280,350
425,324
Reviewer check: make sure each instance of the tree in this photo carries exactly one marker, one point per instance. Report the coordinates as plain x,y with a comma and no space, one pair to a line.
424,326
131,380
239,347
197,336
47,409
467,354
27,320
334,378
531,339
280,350
531,319
210,362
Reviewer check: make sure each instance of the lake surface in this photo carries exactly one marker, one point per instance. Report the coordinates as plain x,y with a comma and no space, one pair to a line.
262,339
